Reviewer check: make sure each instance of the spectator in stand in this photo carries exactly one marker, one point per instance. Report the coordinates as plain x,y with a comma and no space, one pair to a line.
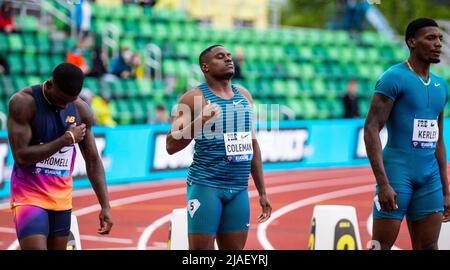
4,66
350,100
137,66
121,66
161,115
101,109
238,62
83,16
7,24
75,57
98,64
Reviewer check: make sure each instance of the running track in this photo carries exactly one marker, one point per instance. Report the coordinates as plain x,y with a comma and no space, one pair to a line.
141,210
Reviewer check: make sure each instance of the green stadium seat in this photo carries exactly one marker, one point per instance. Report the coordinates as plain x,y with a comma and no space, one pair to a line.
30,66
27,23
15,42
15,63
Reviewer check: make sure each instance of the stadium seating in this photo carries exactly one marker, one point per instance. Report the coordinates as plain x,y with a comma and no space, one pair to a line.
304,69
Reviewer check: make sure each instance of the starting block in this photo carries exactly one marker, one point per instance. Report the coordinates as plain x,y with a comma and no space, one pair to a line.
74,242
178,231
444,237
334,227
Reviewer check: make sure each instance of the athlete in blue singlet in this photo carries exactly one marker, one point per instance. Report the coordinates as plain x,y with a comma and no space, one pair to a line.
411,171
218,115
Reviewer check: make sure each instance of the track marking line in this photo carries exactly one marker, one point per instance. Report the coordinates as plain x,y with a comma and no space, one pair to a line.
262,228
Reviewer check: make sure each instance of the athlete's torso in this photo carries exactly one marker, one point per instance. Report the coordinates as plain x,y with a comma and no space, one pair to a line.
47,184
413,121
223,151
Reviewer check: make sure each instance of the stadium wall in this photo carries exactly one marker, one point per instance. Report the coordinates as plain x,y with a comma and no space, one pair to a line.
137,153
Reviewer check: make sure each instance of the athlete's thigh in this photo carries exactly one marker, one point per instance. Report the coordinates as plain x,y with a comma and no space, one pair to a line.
236,212
425,232
204,209
428,198
399,178
32,226
59,229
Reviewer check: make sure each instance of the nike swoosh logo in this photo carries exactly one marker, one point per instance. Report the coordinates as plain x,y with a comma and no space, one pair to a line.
437,84
244,136
237,102
62,152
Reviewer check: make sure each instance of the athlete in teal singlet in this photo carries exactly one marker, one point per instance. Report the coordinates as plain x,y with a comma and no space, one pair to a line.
218,115
411,171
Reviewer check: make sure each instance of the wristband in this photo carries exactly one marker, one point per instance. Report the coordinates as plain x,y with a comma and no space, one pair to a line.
71,135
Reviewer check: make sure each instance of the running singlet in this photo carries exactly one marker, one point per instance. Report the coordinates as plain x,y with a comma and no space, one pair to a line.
224,150
48,183
413,122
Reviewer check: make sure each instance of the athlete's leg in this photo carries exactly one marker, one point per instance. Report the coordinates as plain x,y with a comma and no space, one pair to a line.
425,212
385,232
386,224
57,243
235,221
232,240
34,242
204,209
425,232
31,227
59,229
201,241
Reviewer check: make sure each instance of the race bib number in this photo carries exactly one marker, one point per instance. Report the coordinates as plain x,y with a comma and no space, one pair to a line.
425,133
238,146
57,165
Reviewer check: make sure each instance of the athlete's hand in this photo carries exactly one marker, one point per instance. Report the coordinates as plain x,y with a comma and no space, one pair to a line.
106,222
78,132
387,198
266,209
210,111
446,208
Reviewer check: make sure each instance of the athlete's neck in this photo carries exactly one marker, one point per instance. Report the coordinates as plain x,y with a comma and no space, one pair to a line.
421,68
219,86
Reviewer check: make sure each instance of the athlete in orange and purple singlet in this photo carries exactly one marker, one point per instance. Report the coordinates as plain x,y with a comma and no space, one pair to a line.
44,124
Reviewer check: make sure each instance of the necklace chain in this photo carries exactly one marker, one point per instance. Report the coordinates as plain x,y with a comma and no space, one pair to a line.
426,83
43,92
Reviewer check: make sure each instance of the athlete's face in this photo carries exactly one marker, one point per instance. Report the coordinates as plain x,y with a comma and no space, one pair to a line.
57,97
427,44
219,63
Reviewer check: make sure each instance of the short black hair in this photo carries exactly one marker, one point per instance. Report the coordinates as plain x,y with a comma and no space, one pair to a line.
416,25
205,51
68,78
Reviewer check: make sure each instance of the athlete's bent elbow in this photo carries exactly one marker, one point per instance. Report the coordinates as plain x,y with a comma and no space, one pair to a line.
170,148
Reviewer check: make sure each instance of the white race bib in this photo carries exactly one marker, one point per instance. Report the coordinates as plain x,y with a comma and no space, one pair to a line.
58,164
425,133
238,146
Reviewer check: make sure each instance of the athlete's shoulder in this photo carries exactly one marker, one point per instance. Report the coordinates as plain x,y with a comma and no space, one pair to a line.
22,103
395,72
84,111
245,93
190,96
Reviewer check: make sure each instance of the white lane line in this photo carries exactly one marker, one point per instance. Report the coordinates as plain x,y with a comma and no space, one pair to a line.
369,226
262,228
7,230
143,240
145,236
106,239
120,202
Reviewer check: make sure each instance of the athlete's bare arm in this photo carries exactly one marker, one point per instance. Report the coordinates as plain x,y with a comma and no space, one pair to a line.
441,156
22,109
94,166
188,121
256,169
380,108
